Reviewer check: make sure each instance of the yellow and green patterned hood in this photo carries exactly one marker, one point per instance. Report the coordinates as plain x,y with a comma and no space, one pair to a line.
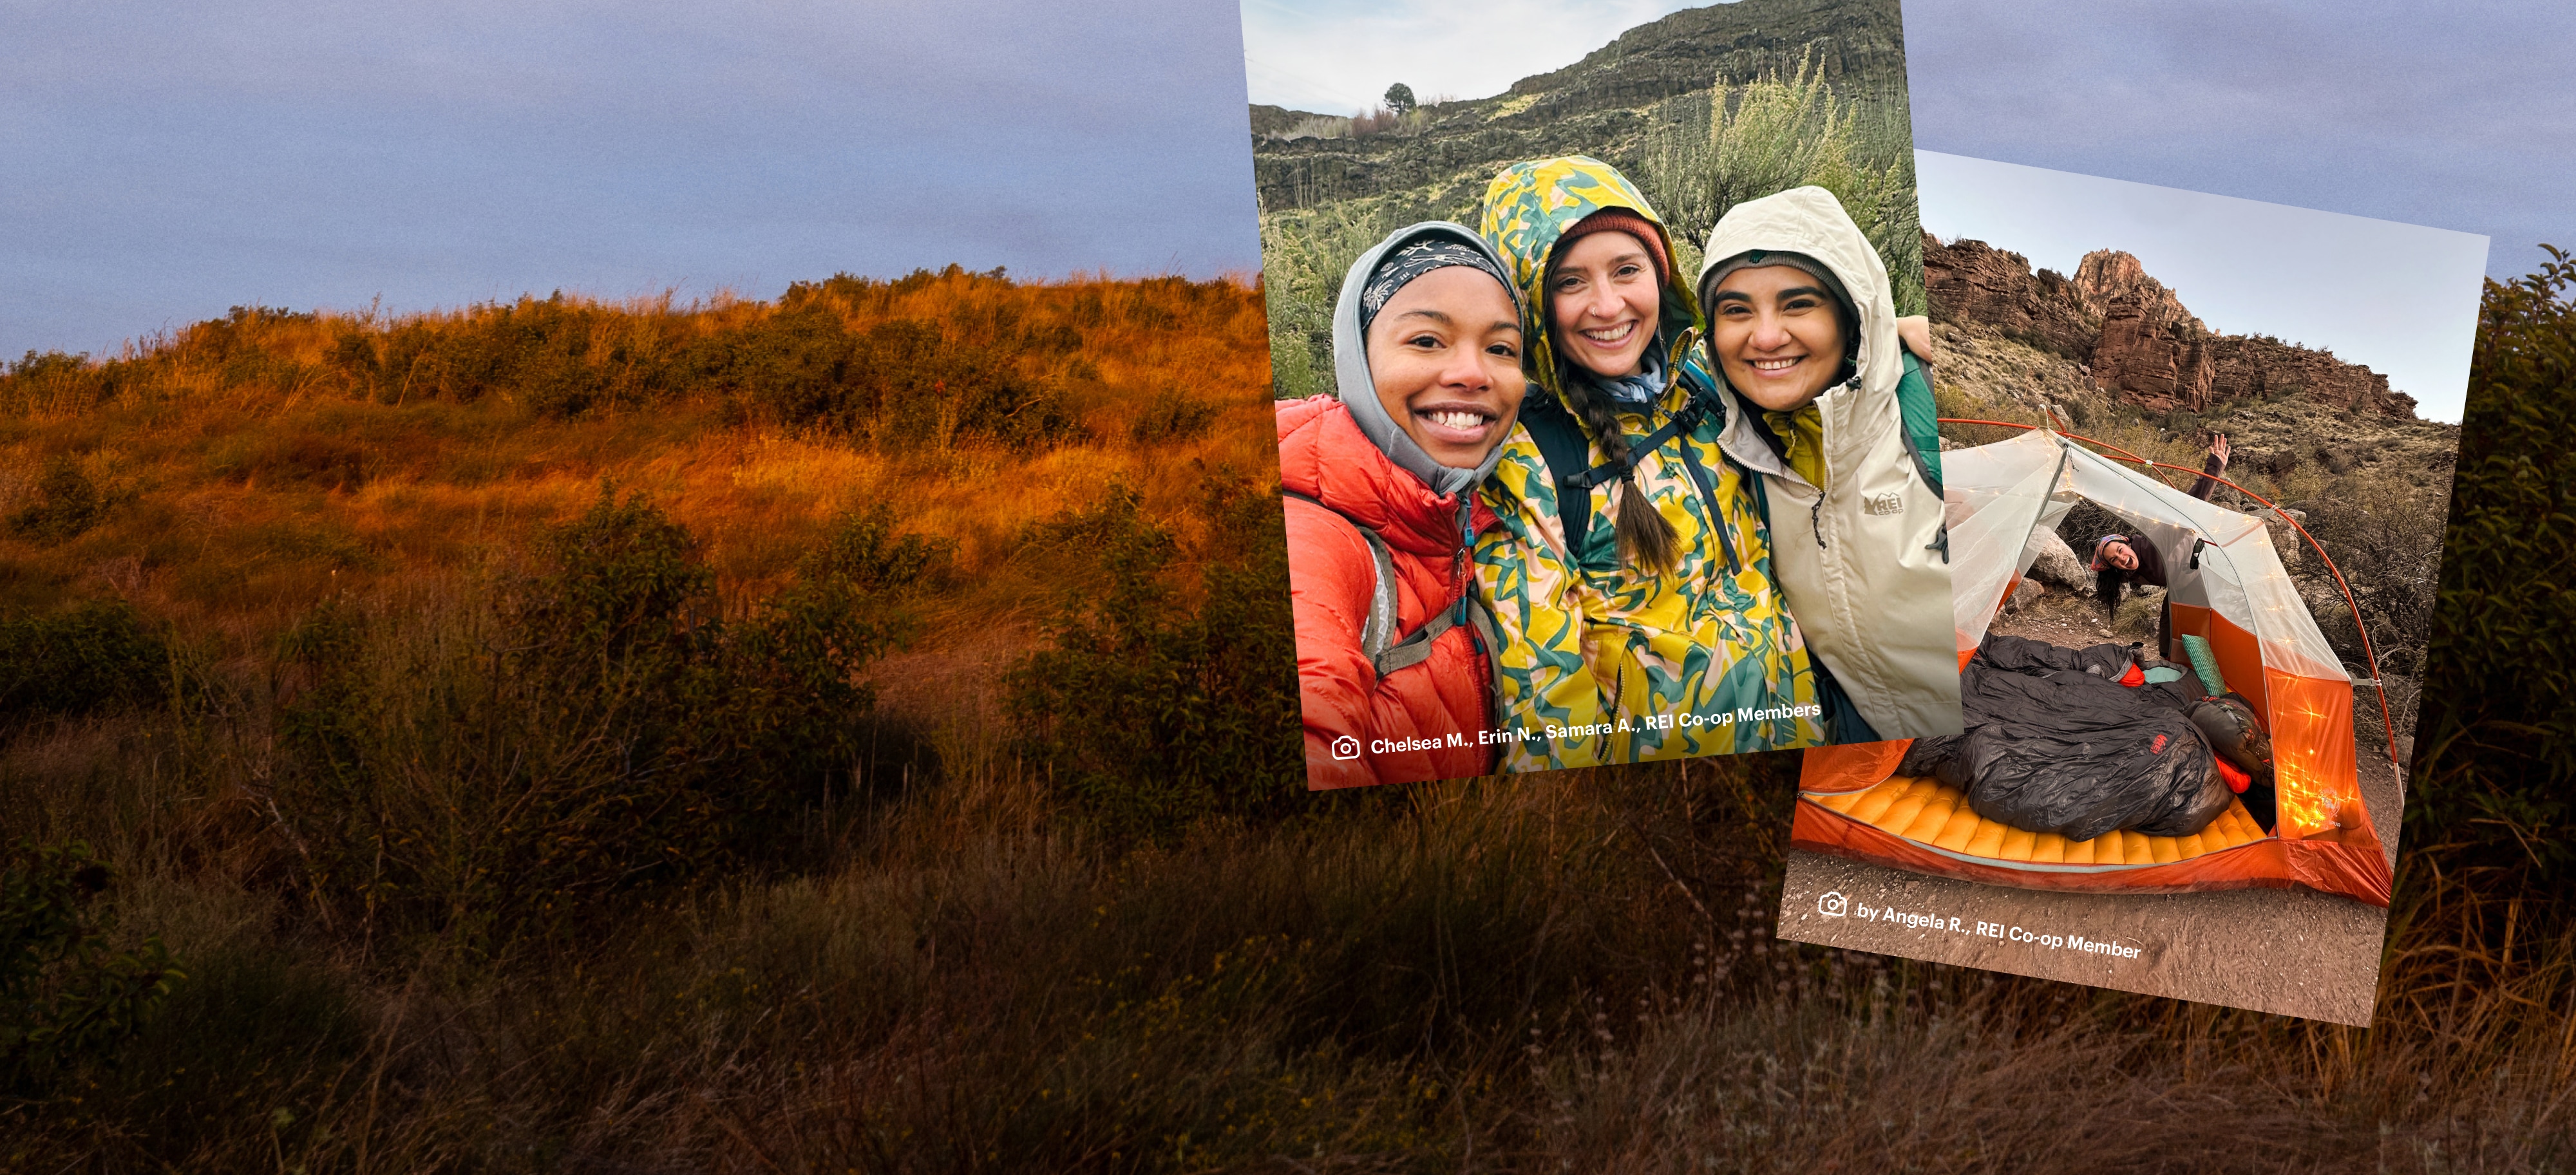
1602,662
1528,208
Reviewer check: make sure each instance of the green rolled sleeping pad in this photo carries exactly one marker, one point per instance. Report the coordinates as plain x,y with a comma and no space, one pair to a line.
2205,663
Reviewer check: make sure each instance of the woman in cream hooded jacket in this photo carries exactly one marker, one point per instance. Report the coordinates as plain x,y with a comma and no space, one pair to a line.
1861,557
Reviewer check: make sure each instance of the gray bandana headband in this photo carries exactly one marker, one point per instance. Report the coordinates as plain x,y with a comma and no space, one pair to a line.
1400,266
1366,287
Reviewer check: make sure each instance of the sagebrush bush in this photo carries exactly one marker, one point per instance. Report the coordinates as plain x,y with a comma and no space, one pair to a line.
866,549
65,503
602,727
1153,709
68,993
98,654
1776,133
1173,416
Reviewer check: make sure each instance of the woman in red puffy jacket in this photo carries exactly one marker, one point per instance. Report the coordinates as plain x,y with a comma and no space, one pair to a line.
1427,360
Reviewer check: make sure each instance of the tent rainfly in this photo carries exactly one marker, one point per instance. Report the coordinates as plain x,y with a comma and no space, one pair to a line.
2230,589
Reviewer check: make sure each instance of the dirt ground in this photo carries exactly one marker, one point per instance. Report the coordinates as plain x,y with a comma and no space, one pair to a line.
2291,952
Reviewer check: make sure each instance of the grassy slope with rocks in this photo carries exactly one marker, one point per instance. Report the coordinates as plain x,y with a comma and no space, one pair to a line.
1702,108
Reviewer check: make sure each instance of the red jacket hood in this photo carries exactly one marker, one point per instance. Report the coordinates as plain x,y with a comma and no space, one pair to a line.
1324,455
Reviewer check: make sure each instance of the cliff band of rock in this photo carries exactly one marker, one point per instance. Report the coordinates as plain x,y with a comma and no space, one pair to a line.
2138,342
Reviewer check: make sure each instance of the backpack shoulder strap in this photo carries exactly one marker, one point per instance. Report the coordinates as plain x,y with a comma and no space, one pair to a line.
1377,630
1922,422
1703,389
1568,456
1921,428
1378,641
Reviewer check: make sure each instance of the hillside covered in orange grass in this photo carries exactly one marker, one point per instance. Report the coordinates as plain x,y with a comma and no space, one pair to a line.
231,475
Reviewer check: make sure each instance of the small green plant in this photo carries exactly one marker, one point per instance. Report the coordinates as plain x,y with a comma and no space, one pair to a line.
68,993
2499,719
1173,416
99,654
867,550
65,504
603,727
1775,133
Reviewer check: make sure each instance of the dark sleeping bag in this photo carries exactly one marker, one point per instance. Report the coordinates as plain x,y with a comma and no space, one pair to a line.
2053,742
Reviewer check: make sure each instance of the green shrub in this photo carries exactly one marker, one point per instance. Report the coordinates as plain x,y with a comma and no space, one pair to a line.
65,505
864,550
1153,709
67,992
900,382
2499,744
1172,417
603,727
53,381
96,655
1776,133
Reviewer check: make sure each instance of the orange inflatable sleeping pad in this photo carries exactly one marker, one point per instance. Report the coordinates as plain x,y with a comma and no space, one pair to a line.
1928,812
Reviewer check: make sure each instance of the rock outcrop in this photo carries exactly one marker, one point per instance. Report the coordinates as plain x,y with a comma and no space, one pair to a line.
2139,343
2052,561
2263,368
1976,282
2152,352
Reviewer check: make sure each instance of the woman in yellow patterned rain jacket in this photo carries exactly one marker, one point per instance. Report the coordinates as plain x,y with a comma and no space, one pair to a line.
1654,629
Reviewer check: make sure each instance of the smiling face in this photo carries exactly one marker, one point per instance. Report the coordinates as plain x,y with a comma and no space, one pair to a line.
1445,354
1602,302
2119,555
1777,332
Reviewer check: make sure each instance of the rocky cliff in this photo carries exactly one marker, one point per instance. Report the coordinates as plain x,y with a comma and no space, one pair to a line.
1972,281
2137,340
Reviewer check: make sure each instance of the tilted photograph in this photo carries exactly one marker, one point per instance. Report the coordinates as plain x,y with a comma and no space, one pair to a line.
2196,563
1599,433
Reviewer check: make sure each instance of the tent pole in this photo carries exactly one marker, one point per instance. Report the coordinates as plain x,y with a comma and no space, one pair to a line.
2359,625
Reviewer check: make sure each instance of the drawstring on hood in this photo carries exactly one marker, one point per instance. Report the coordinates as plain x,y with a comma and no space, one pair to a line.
1352,384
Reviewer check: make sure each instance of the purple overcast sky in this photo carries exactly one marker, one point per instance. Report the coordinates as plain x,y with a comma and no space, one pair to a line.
2455,116
165,161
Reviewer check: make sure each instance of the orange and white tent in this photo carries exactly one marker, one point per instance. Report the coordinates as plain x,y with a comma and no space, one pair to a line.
2229,588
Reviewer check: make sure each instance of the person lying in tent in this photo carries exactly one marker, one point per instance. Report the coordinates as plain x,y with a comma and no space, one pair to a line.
2119,561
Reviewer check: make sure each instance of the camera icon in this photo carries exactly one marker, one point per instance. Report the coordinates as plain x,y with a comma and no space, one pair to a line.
1346,747
1833,904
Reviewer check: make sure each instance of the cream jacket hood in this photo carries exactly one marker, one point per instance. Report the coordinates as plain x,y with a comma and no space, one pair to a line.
1861,561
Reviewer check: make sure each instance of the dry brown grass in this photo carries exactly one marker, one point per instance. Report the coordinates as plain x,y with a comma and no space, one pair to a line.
1558,973
1573,972
248,477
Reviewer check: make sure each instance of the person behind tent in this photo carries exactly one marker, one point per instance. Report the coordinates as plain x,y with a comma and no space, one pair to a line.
2119,561
1629,572
1392,672
1836,420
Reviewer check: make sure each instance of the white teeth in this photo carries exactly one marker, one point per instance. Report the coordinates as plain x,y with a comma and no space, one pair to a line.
1457,420
1774,364
1616,335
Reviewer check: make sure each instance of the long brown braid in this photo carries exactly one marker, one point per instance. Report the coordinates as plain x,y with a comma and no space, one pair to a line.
1646,537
